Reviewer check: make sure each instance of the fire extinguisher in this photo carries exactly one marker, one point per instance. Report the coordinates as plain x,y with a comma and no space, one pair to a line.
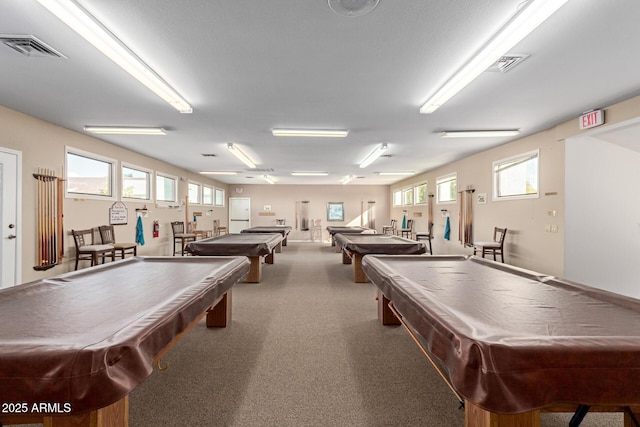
156,229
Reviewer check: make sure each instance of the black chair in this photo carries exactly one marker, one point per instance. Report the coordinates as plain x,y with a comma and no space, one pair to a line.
408,230
108,236
90,251
495,247
179,235
426,236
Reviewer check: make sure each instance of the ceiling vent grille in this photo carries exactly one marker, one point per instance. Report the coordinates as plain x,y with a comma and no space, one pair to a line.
29,45
507,62
259,170
209,155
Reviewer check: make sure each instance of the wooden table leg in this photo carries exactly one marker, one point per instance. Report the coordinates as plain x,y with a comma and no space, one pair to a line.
270,258
279,247
478,417
358,273
220,314
385,315
255,271
346,258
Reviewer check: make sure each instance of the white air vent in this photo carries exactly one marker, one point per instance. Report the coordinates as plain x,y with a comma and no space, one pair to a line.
259,170
29,45
507,62
209,155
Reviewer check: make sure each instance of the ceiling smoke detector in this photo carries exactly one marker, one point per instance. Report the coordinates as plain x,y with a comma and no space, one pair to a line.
352,8
29,45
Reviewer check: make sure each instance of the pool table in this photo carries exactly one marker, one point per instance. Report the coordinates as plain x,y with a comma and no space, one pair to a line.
254,246
73,346
282,229
334,229
355,246
513,343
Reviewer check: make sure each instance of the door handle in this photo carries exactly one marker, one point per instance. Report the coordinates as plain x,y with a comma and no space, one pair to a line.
11,236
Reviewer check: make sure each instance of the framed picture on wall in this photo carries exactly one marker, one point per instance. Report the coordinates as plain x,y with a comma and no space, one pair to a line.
335,211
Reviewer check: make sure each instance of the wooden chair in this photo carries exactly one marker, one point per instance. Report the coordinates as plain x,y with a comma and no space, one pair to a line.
426,236
108,237
179,235
90,251
494,247
316,230
408,231
391,228
217,229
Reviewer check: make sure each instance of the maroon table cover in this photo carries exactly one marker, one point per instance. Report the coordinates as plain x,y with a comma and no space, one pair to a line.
362,244
245,244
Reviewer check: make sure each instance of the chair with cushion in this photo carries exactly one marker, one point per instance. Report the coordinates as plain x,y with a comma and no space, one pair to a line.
179,235
391,228
408,230
87,250
426,236
495,247
108,237
217,229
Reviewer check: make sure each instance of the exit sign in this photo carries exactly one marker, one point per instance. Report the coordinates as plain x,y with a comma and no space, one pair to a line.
591,119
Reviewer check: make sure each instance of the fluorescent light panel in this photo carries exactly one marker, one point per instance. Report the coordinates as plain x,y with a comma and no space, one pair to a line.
83,23
347,179
218,173
377,152
311,133
479,133
268,178
116,130
241,156
517,29
309,173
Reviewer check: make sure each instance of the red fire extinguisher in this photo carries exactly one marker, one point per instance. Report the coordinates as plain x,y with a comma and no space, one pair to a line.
156,229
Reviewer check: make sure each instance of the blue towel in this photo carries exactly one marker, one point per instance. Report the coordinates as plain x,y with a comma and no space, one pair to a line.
447,229
139,232
404,221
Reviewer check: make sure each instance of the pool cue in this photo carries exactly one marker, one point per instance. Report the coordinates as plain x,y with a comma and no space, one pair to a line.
60,214
46,219
39,225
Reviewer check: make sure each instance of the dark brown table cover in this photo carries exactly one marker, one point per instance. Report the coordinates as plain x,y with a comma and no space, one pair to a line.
333,229
88,338
282,229
513,340
362,244
245,244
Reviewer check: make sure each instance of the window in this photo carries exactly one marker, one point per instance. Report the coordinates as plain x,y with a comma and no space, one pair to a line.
407,196
194,193
446,188
420,196
516,177
207,195
166,189
136,182
397,198
219,197
89,176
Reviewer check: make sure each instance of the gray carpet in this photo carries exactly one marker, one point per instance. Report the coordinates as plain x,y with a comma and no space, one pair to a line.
304,348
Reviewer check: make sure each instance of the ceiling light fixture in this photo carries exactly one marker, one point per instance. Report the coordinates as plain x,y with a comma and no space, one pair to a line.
83,23
218,173
347,179
240,155
311,133
373,155
479,133
395,173
309,173
116,130
523,23
268,179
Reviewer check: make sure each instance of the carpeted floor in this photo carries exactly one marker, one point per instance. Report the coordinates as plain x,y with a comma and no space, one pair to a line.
304,348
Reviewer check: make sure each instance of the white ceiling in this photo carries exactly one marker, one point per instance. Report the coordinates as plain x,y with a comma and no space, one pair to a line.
248,66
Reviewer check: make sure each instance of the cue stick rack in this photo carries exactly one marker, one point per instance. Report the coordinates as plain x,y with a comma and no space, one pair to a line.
49,232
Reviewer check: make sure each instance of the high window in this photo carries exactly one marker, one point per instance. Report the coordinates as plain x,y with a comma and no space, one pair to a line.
516,177
89,175
446,188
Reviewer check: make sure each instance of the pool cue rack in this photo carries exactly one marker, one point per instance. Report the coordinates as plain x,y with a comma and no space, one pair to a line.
50,247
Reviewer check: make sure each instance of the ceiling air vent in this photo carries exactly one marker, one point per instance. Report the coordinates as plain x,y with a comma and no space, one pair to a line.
507,62
209,155
259,170
29,45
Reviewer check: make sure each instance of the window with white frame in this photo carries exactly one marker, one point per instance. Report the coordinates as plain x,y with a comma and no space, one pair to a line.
166,189
397,198
446,188
207,195
516,177
89,175
136,182
219,197
420,196
194,192
407,196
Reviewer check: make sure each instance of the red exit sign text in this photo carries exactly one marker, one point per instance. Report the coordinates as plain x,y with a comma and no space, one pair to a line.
591,119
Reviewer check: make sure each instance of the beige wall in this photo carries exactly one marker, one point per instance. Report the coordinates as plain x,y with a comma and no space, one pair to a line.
283,200
43,146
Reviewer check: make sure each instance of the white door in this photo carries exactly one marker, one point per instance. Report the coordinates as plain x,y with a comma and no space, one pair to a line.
10,188
239,214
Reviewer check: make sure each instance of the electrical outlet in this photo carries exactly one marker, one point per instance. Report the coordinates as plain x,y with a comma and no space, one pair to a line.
554,228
